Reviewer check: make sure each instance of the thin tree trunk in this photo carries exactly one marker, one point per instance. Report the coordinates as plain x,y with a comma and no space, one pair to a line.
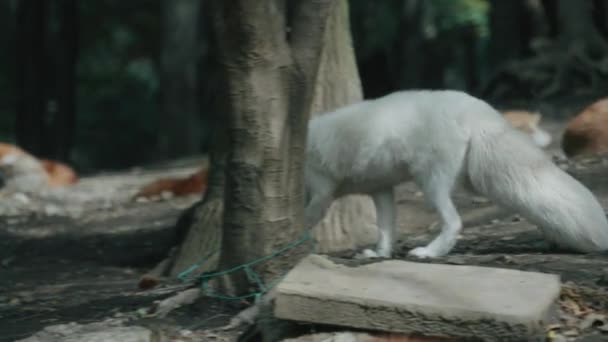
203,228
31,78
576,25
180,111
199,228
601,16
410,60
538,19
65,118
507,31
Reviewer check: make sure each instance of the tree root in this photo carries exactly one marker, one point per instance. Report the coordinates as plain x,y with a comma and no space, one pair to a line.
198,246
552,73
186,297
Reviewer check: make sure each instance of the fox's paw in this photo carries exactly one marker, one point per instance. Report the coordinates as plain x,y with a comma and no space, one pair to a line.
367,254
423,252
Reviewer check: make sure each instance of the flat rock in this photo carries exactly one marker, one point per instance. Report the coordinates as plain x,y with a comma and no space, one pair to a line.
490,304
363,337
106,331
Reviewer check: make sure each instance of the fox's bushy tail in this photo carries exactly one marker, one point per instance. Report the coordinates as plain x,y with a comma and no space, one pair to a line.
512,172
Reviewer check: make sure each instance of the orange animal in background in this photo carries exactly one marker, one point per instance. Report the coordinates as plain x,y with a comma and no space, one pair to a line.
587,133
22,171
193,184
529,123
59,173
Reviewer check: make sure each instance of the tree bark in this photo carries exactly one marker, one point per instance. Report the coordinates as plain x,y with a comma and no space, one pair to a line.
270,84
179,58
275,81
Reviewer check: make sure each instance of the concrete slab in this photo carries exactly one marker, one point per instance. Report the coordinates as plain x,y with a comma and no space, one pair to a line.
489,304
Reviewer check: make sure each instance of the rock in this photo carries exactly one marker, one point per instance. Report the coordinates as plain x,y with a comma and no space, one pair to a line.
363,337
107,331
430,299
587,132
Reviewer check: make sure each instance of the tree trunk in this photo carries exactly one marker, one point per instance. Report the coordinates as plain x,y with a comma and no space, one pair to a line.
507,31
180,116
65,117
410,61
31,78
575,19
538,19
273,86
270,82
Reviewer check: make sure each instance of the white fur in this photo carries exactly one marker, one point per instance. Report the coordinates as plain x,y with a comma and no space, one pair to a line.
540,137
439,139
22,172
9,159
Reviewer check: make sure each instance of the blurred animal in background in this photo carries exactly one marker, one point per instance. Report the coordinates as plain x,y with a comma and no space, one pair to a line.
21,171
195,183
587,132
59,174
528,122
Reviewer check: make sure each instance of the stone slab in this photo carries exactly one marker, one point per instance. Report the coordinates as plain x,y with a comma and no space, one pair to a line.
105,331
489,304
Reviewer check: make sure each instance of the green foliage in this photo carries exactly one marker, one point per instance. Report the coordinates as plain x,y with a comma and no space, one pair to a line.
375,25
452,15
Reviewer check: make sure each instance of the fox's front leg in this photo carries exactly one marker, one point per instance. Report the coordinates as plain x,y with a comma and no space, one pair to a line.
385,216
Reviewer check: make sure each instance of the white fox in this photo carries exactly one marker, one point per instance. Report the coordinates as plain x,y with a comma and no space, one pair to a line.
440,139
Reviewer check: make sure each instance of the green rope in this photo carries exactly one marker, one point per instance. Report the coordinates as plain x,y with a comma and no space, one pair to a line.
186,275
252,275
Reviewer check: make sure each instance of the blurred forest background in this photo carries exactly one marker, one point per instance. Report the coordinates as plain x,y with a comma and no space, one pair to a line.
110,84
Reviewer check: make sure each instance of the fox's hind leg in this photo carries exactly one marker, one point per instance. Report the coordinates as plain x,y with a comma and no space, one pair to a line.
437,185
451,225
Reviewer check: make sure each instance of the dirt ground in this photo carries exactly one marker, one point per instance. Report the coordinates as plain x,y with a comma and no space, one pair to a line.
79,260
